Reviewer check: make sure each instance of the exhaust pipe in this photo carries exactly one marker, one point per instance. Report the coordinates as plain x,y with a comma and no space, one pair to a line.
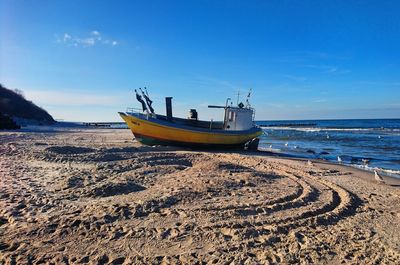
168,104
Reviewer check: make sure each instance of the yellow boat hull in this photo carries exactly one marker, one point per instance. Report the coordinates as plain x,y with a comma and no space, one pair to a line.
152,131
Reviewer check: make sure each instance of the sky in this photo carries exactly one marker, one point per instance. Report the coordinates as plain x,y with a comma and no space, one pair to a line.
81,60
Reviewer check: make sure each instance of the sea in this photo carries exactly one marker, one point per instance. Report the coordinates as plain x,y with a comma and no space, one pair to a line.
370,144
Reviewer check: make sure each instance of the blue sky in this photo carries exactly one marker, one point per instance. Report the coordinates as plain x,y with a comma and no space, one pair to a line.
81,60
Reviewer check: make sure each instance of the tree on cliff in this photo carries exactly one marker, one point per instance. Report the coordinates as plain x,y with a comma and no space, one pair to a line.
14,104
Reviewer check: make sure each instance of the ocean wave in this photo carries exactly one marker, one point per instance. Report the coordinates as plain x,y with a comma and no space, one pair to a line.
268,149
388,172
348,161
320,129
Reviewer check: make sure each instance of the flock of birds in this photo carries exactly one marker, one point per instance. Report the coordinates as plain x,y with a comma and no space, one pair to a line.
378,177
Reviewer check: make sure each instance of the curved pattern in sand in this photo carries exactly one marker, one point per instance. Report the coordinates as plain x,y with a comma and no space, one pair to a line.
117,204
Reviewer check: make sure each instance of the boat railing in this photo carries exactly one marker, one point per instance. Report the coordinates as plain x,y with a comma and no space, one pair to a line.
140,112
134,110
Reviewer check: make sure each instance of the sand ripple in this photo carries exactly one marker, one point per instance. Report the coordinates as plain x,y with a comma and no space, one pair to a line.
109,203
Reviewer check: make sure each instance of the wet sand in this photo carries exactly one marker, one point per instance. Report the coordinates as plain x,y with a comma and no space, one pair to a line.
78,196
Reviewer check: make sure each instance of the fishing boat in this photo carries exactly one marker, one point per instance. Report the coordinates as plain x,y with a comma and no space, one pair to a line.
236,130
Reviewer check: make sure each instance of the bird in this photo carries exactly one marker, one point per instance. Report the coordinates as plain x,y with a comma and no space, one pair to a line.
339,159
365,161
286,144
309,163
379,137
378,177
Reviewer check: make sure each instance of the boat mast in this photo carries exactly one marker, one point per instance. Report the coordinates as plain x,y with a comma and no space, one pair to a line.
248,99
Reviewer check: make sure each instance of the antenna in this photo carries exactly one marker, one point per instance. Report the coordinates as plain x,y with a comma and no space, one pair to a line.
238,94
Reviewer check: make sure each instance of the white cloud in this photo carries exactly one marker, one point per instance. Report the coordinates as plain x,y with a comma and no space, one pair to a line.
96,35
394,84
327,69
67,37
85,105
296,78
72,98
87,41
93,38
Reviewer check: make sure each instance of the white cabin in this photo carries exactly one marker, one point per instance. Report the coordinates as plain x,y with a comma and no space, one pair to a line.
237,119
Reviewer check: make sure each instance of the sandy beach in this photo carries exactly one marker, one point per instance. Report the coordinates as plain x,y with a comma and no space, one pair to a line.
77,196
